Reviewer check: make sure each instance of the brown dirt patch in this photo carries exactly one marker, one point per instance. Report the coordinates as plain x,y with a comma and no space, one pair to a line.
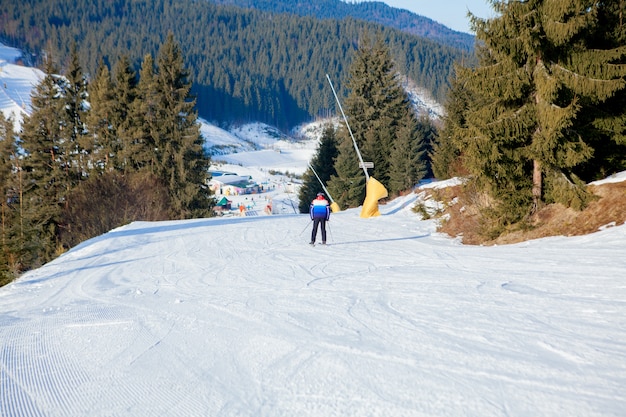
552,220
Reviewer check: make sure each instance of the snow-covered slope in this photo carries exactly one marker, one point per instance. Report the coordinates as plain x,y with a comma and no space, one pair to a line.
16,84
260,146
241,317
422,101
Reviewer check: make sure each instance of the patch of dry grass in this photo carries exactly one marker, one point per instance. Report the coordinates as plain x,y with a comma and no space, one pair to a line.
551,220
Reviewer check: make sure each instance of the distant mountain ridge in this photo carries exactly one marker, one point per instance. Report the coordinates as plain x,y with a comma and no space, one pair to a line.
371,11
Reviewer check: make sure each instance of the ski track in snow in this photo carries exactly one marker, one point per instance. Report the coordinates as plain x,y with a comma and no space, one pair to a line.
200,318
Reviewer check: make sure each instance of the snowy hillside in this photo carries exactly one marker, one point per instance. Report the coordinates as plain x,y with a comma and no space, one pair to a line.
422,101
244,145
239,316
16,84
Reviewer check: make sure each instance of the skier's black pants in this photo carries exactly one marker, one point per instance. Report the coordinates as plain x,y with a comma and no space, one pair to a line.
322,223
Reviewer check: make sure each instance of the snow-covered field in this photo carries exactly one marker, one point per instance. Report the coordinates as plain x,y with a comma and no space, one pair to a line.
240,316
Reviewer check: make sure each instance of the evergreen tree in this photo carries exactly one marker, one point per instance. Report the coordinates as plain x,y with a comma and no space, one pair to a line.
535,76
407,165
140,150
9,198
376,104
608,118
77,143
447,153
427,132
124,120
347,186
181,160
323,163
100,120
45,167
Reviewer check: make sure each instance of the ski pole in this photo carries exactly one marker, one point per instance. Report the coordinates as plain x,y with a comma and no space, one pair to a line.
334,206
356,148
330,232
305,227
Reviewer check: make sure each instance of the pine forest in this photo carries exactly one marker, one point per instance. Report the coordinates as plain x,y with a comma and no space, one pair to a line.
542,114
249,64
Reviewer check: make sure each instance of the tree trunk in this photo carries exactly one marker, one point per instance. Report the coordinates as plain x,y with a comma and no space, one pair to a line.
537,184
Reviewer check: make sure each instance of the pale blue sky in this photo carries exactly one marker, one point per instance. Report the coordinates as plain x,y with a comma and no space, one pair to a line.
451,13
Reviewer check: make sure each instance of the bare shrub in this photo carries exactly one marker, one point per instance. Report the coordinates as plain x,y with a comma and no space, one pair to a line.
110,200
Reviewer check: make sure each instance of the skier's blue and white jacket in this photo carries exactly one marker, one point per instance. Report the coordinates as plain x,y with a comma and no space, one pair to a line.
319,209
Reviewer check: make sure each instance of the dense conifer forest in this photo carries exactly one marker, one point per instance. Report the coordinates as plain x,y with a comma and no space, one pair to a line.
246,64
371,11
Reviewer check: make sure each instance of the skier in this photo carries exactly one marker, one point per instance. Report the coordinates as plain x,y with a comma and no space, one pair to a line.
320,213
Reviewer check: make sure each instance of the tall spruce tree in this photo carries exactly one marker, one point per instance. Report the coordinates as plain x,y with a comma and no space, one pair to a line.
536,74
124,120
78,144
100,120
608,118
380,114
323,162
447,153
9,198
427,134
376,104
140,150
45,167
407,164
347,186
181,161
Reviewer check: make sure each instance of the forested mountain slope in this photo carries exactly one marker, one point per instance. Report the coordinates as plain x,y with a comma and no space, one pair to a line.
245,64
371,11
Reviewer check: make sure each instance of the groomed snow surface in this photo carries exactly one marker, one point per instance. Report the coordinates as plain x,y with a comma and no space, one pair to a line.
241,317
